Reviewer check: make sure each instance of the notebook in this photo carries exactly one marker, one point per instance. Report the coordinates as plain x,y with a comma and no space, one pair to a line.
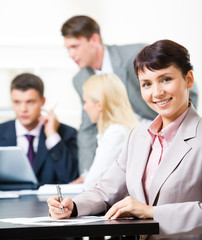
16,172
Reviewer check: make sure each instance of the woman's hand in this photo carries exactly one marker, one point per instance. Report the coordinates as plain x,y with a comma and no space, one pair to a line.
55,207
129,207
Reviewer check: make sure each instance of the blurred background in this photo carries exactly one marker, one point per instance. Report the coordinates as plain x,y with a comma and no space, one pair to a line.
30,41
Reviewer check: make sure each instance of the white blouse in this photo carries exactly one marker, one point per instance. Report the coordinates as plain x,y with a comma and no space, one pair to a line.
109,147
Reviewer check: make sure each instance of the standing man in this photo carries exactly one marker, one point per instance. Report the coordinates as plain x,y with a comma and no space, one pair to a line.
83,41
54,159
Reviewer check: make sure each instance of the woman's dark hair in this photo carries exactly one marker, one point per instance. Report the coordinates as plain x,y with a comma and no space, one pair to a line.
162,54
26,81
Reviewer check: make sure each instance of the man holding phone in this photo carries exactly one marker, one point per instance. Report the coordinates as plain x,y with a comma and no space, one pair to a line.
51,146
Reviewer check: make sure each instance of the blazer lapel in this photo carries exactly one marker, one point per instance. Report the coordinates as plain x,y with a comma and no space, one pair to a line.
177,150
41,152
174,155
144,144
117,64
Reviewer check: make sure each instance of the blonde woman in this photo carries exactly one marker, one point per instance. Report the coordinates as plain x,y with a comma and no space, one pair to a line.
107,105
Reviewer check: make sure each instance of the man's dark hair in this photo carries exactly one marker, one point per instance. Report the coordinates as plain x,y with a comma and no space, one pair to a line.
163,54
26,81
80,26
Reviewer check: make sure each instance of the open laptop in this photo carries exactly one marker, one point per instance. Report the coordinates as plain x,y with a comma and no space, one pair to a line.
16,172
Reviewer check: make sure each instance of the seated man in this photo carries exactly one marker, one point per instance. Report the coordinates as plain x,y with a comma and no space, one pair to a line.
54,150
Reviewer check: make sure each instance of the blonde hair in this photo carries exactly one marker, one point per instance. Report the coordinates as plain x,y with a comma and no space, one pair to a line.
111,92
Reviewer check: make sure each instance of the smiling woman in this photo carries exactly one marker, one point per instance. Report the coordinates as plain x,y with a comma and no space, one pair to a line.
165,79
166,91
155,177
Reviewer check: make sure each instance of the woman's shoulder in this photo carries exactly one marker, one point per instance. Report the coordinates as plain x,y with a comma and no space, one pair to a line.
114,131
142,129
116,128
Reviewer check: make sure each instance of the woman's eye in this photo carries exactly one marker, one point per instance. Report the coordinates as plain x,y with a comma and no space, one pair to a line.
167,79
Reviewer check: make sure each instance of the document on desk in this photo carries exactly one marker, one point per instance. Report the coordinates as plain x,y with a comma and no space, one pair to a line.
48,221
7,194
66,189
44,190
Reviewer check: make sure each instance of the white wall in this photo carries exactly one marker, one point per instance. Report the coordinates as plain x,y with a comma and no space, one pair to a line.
30,40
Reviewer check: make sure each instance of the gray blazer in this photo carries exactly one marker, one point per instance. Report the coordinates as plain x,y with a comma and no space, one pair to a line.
176,189
122,58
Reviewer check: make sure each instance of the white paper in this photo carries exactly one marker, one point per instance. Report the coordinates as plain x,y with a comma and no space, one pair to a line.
8,194
48,221
65,188
47,189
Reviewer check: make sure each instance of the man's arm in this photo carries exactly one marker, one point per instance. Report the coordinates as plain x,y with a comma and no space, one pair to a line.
61,142
87,142
65,155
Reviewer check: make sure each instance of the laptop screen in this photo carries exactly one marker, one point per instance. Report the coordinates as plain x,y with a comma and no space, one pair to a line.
15,166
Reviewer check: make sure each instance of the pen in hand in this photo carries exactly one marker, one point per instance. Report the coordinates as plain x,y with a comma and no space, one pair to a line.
60,195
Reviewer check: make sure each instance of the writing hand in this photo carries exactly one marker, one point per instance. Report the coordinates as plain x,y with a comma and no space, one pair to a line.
55,207
129,207
50,123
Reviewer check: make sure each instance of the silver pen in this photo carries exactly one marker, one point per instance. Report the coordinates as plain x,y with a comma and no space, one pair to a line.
60,195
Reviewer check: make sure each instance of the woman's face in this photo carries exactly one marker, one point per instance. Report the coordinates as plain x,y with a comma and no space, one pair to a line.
92,108
166,91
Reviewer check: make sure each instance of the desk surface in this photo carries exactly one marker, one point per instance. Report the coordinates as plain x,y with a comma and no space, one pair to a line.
31,206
